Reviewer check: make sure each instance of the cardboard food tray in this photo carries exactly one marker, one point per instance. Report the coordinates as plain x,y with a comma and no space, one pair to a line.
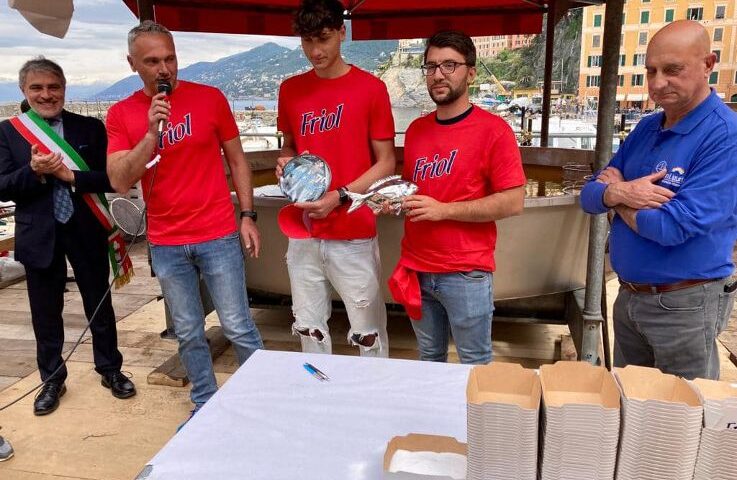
578,383
506,383
417,442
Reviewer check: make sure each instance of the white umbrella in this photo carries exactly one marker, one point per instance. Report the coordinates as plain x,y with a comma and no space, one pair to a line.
51,17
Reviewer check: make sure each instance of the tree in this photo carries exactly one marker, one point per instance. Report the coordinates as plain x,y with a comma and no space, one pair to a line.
525,66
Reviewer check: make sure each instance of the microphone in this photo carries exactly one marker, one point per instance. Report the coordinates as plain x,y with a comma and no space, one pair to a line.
163,86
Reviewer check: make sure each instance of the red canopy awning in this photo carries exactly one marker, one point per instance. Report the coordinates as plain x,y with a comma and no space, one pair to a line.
370,19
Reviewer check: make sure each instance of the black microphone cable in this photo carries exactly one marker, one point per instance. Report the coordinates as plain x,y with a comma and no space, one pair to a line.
107,292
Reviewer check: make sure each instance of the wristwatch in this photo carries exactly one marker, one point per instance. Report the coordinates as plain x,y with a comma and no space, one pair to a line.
250,214
343,195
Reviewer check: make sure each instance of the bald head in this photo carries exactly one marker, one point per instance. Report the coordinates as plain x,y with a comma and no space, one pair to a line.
682,35
679,61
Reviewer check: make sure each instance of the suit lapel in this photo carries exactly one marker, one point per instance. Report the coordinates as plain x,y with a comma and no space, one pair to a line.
71,132
79,133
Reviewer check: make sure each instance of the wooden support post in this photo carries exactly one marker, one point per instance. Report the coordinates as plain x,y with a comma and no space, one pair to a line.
7,243
145,10
568,349
551,20
171,373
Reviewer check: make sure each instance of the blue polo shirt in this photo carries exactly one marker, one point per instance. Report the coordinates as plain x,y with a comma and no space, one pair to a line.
691,236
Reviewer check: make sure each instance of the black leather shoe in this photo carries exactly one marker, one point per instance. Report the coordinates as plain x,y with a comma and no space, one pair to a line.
119,384
47,400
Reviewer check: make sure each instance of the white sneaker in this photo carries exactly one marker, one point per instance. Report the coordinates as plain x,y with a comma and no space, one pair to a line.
6,451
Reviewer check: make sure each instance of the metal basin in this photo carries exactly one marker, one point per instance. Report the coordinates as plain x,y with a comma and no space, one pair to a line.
540,252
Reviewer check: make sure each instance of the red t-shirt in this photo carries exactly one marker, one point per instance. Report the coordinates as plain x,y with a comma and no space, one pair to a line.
190,198
336,119
470,159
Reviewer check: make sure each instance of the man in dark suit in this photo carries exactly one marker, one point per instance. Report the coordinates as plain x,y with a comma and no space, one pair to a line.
55,223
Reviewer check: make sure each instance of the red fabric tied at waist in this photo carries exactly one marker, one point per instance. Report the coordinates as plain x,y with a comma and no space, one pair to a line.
405,288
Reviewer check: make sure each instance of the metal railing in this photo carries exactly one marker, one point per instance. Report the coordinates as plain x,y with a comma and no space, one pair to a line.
568,135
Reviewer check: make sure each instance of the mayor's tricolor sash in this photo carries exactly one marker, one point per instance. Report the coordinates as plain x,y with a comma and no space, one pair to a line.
37,132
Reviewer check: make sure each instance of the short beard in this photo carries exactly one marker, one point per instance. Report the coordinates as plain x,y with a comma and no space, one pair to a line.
450,97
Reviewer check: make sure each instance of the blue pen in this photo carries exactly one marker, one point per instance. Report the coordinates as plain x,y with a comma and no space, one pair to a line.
315,372
312,371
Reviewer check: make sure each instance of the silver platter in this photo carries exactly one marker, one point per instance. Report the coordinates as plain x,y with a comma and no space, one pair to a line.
305,178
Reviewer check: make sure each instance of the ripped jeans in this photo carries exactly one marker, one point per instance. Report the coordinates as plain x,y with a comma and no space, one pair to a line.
353,268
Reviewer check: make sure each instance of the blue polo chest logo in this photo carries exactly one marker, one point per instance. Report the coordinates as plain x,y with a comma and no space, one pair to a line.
675,177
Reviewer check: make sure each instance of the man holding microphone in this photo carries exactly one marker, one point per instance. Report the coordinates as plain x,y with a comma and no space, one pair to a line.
191,228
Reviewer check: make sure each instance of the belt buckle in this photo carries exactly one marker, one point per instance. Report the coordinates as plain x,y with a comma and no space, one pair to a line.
630,286
642,288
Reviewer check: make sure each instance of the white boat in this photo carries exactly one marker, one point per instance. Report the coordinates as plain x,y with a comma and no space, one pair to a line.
257,136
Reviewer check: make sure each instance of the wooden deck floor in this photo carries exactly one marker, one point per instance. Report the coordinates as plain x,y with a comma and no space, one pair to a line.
95,436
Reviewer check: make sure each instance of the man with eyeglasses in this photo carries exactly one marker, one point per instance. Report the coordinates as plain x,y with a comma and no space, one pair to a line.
468,168
342,114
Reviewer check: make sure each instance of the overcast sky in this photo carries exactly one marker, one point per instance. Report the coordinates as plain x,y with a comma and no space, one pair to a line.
94,48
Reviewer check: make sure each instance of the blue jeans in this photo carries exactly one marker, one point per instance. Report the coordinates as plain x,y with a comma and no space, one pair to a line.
461,304
220,262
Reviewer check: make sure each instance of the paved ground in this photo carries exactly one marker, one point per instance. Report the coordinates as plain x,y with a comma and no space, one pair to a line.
95,436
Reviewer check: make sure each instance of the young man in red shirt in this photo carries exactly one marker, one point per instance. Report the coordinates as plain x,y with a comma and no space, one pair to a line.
191,226
342,114
467,166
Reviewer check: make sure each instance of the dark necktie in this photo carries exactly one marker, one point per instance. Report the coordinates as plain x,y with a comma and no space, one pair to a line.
63,207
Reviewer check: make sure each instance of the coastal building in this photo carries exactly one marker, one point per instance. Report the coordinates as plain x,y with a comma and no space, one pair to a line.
408,49
486,47
491,46
642,18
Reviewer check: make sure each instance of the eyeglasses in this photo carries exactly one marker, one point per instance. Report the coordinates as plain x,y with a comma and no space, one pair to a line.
446,68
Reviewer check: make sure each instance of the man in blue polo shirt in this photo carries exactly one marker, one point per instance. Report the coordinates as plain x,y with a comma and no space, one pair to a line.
673,188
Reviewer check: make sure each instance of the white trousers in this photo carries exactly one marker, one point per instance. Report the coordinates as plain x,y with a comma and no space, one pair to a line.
353,269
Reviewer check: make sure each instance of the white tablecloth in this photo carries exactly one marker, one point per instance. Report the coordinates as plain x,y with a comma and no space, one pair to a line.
273,420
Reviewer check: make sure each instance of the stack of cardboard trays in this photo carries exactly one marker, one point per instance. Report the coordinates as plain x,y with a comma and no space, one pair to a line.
580,424
661,425
503,413
717,458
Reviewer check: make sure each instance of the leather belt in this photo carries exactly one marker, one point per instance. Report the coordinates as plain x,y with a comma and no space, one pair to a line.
662,288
